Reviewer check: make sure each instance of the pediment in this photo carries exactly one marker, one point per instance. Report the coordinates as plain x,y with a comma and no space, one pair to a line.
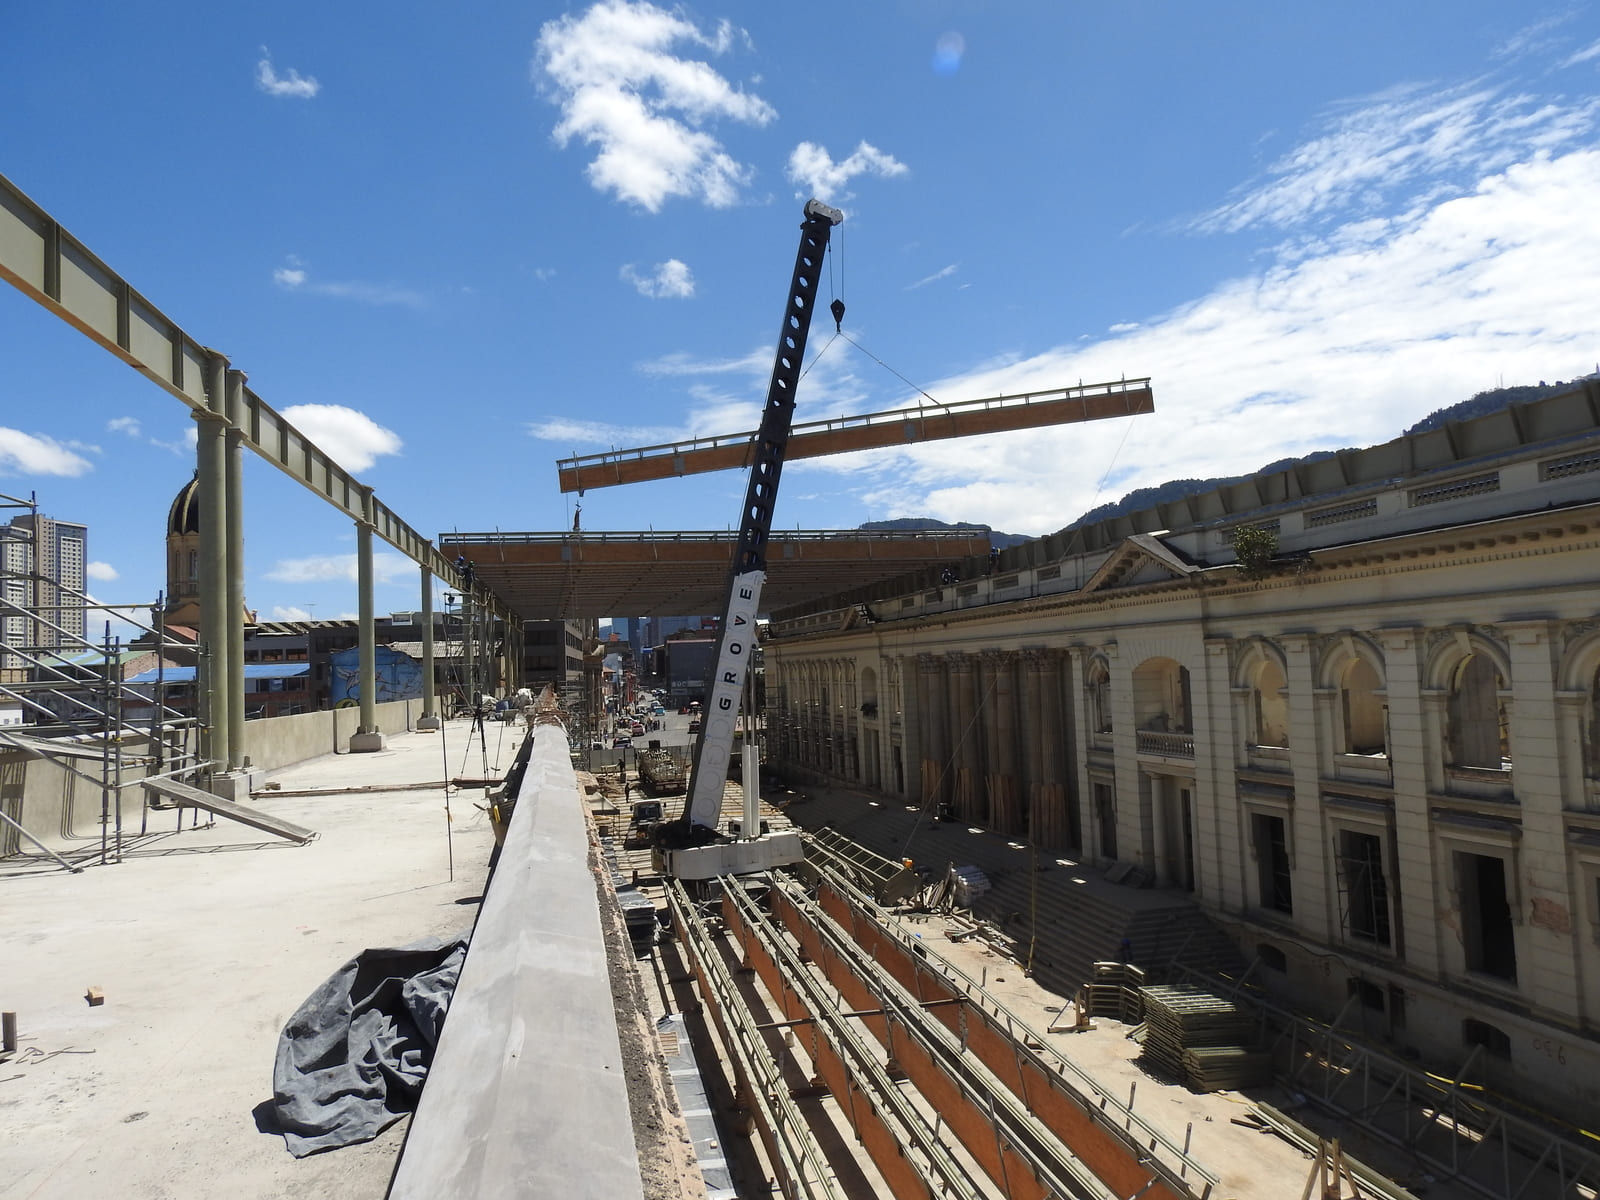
1139,560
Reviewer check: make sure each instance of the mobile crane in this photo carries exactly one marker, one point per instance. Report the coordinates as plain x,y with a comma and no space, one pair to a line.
688,848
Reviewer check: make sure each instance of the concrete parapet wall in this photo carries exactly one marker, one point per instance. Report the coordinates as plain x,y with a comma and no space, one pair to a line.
527,1093
280,741
62,809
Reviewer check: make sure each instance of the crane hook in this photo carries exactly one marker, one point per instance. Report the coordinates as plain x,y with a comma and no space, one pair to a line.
837,309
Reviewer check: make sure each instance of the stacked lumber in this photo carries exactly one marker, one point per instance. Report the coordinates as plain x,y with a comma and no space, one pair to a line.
1115,990
1202,1039
1226,1068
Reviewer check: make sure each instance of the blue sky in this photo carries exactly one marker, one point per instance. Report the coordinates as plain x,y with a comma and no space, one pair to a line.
456,244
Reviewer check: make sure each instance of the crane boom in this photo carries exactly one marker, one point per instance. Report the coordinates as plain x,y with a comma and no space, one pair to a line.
713,746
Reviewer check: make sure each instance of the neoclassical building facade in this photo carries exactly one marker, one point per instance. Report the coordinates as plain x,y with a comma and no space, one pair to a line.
1374,759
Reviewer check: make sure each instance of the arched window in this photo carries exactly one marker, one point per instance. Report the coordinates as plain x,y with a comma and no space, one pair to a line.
1477,717
1161,700
1362,707
1270,706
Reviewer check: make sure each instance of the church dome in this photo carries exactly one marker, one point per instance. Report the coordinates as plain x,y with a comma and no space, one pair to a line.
184,515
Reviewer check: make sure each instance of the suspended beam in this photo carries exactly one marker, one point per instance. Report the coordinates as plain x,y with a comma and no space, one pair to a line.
840,435
50,266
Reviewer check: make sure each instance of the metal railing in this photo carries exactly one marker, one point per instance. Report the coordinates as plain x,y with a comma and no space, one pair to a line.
1165,745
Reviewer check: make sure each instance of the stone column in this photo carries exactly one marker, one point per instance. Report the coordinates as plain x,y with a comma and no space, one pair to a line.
1041,829
910,727
1157,786
1082,730
1549,914
1059,783
963,734
1000,742
1315,891
1214,815
1416,926
931,749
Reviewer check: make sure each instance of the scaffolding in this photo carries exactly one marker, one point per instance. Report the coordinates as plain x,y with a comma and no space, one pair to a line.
69,703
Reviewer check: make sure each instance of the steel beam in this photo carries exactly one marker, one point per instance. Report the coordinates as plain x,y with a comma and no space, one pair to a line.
869,431
53,268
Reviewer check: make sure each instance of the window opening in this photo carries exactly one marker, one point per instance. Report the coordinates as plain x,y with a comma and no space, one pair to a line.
1371,994
1364,899
1363,710
1495,1042
1487,933
1271,707
1272,862
1477,718
1106,811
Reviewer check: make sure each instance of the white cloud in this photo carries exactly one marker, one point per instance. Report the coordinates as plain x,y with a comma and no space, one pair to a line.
678,364
1588,54
386,568
572,432
354,440
718,406
671,280
1434,144
622,90
132,427
292,85
34,454
295,278
102,571
1344,342
289,612
813,167
941,273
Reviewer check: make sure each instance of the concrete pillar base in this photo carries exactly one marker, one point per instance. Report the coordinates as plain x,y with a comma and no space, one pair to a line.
237,785
366,743
429,724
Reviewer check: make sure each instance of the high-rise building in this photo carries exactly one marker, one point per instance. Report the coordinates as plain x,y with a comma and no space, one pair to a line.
42,571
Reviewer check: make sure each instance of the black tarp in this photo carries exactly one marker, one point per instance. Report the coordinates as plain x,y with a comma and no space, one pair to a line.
352,1059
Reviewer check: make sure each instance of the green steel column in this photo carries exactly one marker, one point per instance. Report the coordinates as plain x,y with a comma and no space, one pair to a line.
430,708
233,610
366,737
210,456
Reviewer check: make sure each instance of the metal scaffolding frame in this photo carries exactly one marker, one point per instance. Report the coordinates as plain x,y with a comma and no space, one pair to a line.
1459,1129
83,713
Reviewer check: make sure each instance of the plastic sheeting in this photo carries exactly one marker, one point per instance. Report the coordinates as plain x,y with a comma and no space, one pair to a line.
352,1059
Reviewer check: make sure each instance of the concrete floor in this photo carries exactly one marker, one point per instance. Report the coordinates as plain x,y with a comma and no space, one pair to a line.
205,942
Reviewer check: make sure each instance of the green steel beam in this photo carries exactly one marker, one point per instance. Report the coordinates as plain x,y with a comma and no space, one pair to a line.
53,268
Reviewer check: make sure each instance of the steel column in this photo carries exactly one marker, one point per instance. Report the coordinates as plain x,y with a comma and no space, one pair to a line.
366,738
211,491
233,609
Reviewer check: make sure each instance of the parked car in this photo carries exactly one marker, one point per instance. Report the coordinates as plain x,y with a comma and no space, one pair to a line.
637,729
621,743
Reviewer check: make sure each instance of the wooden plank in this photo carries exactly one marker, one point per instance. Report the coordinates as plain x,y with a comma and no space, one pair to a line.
192,797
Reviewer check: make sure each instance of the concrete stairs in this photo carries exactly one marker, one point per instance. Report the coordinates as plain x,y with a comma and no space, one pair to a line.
1058,915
